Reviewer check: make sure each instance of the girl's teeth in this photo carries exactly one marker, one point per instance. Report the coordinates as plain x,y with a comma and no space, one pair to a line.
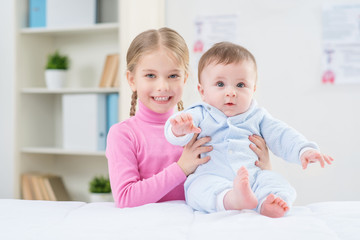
161,98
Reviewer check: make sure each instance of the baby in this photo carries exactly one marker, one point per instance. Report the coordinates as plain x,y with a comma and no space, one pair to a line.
229,114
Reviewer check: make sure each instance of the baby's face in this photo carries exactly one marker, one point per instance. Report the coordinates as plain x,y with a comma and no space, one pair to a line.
230,88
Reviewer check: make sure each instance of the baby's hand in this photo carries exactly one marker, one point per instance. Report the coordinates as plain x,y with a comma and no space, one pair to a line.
182,124
311,156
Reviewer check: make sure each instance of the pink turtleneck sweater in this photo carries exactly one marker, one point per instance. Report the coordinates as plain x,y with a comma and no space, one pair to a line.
142,163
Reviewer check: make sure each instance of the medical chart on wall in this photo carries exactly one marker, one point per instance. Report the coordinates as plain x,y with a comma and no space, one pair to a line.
341,44
210,29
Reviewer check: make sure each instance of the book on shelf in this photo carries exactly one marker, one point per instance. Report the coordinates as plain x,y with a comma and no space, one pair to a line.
116,80
84,121
35,183
37,13
36,186
109,77
26,187
56,188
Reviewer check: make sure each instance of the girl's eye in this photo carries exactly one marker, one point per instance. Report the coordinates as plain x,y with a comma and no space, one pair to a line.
173,76
220,84
150,75
240,85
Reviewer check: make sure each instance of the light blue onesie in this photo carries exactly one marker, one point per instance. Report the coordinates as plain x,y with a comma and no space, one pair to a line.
229,138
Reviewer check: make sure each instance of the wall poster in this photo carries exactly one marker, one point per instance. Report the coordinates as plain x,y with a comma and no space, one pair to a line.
210,29
341,44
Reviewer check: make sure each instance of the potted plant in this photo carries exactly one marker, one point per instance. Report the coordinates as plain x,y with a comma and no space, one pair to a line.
100,190
56,70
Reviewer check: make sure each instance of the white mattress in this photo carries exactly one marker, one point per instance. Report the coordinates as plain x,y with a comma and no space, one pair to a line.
23,219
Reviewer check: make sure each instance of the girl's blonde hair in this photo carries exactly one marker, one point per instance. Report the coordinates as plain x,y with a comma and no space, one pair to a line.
225,53
150,41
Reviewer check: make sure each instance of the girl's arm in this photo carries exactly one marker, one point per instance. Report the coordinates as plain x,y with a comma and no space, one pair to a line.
128,189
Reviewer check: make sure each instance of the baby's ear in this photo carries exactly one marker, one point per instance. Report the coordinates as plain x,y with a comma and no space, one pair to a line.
131,80
201,91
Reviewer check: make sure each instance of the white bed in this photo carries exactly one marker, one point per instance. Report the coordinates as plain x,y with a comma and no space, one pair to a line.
24,219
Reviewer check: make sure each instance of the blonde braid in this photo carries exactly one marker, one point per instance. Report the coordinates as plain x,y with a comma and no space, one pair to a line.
133,104
180,105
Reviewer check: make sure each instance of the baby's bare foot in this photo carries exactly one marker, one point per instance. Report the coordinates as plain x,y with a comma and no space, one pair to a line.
241,196
274,207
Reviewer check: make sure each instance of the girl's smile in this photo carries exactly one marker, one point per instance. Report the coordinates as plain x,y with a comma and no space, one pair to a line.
161,99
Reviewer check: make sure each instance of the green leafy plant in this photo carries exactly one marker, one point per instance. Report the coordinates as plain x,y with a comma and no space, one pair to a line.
100,184
57,61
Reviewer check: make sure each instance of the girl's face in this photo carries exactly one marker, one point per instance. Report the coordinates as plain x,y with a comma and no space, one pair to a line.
159,80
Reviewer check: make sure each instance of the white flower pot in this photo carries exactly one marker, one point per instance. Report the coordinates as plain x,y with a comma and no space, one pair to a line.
101,197
55,78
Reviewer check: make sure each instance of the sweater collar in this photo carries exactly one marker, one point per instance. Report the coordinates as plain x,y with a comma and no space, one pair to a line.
147,115
219,116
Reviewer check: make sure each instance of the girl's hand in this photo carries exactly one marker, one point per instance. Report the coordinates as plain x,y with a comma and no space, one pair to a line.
259,147
190,158
182,124
311,156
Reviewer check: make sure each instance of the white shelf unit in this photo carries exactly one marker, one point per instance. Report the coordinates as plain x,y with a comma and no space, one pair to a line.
38,140
60,151
97,28
68,90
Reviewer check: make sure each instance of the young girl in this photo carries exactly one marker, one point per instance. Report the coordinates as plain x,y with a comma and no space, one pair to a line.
143,166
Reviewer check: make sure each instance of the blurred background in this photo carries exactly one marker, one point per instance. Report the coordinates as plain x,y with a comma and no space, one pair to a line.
285,36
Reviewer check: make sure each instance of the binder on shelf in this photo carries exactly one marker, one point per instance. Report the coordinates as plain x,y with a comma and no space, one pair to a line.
37,13
112,110
110,71
84,121
69,13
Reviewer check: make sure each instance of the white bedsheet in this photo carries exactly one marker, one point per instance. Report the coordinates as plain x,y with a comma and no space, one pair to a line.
22,219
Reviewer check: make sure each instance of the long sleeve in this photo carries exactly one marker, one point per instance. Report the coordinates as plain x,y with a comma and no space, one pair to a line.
283,140
131,184
197,116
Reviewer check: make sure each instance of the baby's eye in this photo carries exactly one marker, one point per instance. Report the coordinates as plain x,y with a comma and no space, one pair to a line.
150,75
220,84
240,85
173,76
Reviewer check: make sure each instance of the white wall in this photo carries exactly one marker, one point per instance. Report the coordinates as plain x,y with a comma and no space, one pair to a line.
7,99
285,38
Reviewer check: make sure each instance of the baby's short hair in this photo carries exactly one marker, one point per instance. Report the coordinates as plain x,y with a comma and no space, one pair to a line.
225,53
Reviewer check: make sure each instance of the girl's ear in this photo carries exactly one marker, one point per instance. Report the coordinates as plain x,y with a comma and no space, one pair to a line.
201,91
186,77
131,80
